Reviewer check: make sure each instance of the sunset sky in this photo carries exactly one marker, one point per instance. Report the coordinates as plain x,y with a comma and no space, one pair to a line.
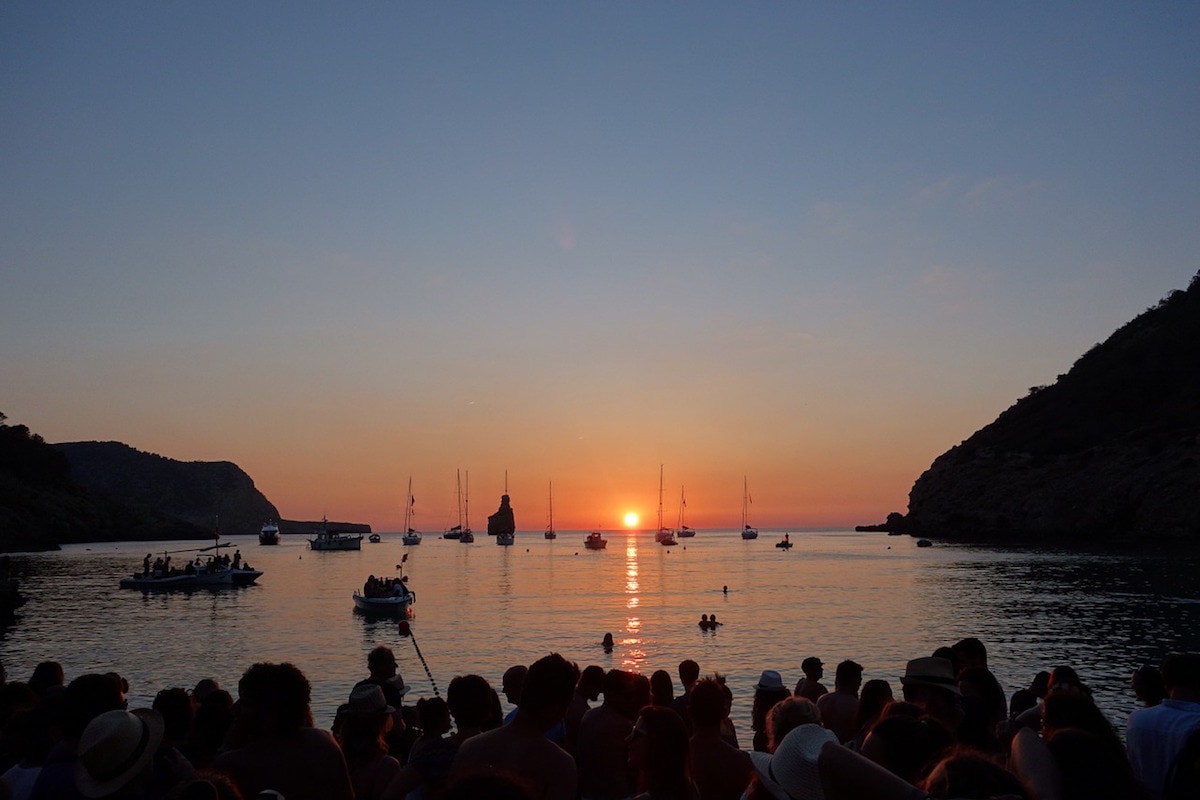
812,245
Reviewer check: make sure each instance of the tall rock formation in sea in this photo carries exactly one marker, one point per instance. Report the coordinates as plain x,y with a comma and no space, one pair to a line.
1109,452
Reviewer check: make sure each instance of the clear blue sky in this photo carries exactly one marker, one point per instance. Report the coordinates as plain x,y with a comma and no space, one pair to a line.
814,244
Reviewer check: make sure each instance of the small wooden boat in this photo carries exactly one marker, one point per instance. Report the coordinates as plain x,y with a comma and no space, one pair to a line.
396,604
374,538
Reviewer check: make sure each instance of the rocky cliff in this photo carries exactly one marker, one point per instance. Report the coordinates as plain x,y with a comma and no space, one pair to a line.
1109,452
191,492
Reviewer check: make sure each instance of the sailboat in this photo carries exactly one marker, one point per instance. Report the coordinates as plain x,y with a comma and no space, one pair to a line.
410,536
684,531
550,532
456,531
466,536
748,532
663,536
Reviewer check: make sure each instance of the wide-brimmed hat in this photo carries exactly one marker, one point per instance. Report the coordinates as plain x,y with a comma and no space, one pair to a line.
931,671
115,747
792,770
770,680
368,698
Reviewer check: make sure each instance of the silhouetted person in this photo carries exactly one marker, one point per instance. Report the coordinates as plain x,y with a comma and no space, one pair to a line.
522,746
276,746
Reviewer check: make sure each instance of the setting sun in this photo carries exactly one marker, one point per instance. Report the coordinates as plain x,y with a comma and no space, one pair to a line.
631,520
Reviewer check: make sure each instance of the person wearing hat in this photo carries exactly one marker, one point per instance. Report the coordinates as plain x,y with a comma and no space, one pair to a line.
116,752
767,692
791,771
364,723
85,698
381,663
930,684
810,685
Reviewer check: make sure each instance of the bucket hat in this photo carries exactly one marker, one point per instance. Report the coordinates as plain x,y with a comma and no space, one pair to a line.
769,680
931,671
792,770
368,698
115,747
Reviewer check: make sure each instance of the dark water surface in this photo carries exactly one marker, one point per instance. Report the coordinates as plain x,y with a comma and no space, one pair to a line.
480,608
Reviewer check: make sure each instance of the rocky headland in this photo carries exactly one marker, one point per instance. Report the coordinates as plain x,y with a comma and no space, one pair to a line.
1108,454
53,494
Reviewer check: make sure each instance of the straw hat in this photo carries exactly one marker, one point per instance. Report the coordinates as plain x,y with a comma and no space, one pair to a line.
770,680
792,770
115,748
931,671
367,698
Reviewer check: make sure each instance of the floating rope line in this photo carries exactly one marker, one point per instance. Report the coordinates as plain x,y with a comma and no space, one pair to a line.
406,632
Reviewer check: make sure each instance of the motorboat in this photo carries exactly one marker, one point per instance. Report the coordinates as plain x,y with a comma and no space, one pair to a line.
785,543
269,534
924,543
200,578
595,541
215,573
505,539
374,538
328,540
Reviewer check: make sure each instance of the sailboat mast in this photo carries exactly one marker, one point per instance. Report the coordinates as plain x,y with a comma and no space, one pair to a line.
660,495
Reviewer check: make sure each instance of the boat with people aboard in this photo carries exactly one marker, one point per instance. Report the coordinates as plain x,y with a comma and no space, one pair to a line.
595,541
269,533
784,543
389,596
411,534
748,531
327,540
213,572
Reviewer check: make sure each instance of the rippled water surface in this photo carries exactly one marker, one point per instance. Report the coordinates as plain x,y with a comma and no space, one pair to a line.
480,608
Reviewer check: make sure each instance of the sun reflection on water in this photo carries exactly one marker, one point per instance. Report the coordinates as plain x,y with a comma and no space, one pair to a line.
634,654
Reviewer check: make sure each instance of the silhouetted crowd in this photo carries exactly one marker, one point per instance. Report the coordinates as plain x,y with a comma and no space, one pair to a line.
953,732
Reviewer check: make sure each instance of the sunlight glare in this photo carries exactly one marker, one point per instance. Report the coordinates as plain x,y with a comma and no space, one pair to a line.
631,519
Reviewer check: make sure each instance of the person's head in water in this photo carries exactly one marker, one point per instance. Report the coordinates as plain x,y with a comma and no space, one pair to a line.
608,640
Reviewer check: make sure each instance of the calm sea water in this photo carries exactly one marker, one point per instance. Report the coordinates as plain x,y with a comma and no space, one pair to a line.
480,608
